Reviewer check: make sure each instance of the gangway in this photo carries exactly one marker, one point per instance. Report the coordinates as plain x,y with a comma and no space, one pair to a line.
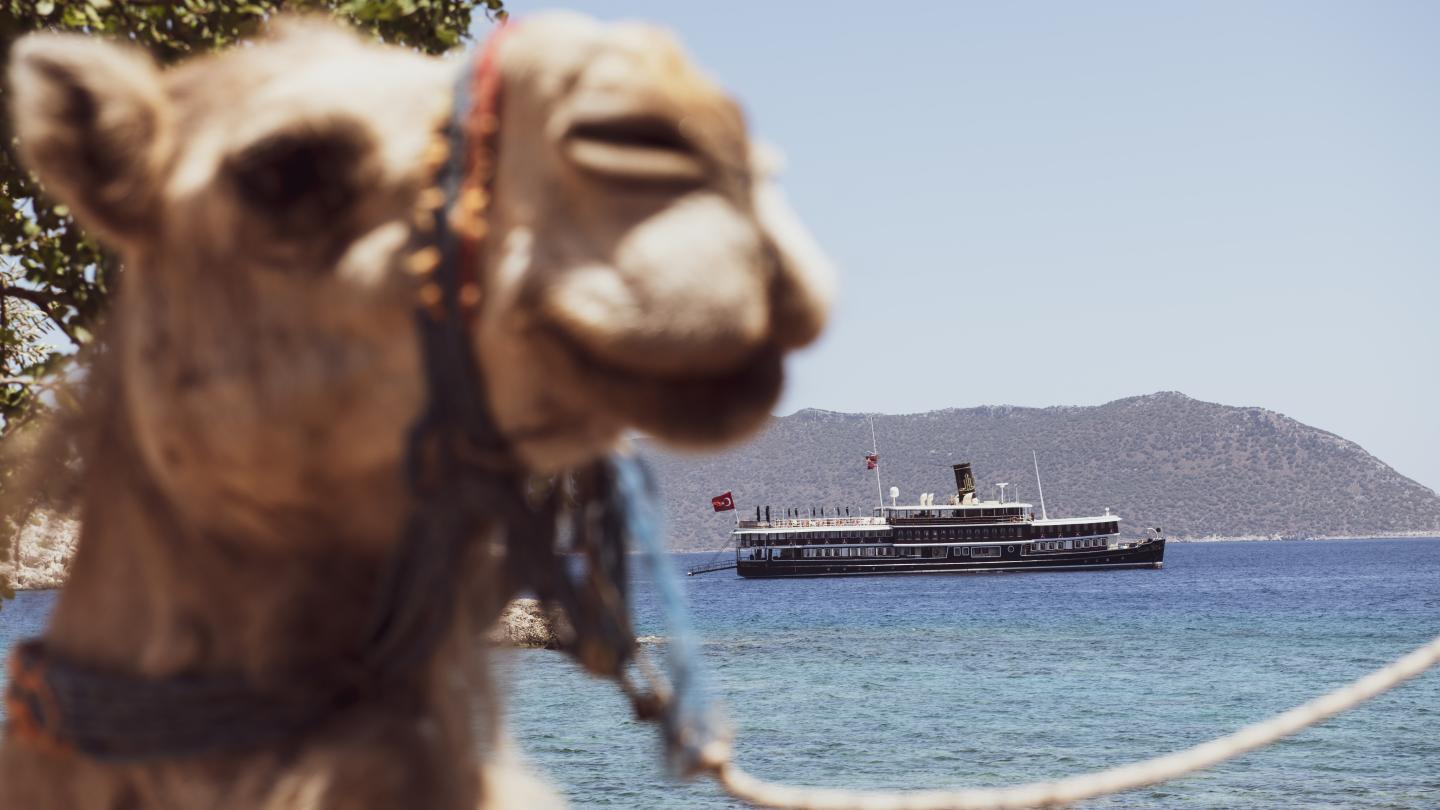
706,569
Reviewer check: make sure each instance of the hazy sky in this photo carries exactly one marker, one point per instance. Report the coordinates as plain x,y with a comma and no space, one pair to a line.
1066,203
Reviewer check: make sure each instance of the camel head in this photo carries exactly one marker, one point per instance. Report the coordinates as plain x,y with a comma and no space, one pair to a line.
639,272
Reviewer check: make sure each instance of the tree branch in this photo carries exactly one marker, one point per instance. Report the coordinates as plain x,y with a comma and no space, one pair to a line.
39,298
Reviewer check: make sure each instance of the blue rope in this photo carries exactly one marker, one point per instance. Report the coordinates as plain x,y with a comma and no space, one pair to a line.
689,719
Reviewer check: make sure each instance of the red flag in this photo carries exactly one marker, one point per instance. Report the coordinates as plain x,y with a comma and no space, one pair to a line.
872,460
723,503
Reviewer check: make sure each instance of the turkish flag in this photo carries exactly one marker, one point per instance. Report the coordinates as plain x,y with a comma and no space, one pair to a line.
723,503
872,460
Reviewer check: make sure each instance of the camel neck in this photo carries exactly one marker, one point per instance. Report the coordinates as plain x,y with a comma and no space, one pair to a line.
148,595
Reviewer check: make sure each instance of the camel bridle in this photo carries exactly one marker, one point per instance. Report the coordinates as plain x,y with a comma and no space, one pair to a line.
565,536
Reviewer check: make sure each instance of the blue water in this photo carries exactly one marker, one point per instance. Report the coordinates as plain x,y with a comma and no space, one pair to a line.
980,680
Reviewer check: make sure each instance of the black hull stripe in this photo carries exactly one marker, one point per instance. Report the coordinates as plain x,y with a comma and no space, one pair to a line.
1147,556
864,573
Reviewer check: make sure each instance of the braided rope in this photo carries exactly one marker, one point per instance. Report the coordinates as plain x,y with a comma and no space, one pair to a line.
745,787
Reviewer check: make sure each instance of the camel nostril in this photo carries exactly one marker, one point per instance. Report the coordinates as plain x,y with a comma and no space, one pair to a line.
635,149
647,132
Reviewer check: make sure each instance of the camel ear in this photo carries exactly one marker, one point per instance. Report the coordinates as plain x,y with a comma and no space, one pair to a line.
805,287
92,123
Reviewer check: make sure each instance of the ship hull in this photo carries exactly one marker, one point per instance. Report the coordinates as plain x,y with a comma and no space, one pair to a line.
1150,554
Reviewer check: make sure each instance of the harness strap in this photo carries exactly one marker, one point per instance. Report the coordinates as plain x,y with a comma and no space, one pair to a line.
463,477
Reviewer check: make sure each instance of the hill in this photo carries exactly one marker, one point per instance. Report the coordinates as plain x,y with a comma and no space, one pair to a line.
1194,468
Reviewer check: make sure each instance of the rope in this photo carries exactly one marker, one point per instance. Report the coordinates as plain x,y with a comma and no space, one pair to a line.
745,787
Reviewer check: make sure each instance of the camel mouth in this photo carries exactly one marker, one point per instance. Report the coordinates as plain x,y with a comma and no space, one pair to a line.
692,408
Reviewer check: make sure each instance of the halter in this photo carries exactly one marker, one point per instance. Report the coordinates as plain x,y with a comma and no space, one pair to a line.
463,477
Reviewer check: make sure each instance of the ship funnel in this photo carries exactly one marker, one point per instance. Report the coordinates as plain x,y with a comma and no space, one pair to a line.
964,482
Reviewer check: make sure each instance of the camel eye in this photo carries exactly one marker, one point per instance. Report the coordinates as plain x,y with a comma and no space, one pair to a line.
306,173
637,149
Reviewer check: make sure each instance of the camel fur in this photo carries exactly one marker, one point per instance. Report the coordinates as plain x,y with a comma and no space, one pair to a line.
245,424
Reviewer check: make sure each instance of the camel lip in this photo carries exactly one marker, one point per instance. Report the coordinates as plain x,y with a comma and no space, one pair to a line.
701,408
594,362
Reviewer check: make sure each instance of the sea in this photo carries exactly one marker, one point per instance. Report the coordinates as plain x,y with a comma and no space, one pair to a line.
976,680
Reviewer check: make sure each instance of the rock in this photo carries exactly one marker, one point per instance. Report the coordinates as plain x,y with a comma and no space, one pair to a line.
45,548
525,624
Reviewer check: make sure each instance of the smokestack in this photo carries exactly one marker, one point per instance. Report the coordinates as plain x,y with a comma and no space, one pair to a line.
964,482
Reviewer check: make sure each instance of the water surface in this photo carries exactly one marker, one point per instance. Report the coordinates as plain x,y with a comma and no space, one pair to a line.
931,681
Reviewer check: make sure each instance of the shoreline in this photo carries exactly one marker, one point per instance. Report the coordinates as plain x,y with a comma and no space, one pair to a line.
53,578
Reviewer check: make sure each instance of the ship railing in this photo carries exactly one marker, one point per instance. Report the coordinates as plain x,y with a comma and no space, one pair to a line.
899,520
811,523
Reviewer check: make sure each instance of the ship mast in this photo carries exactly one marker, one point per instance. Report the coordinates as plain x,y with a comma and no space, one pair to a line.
875,449
1036,460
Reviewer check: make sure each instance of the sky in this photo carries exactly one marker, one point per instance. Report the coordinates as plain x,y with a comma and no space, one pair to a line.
1056,203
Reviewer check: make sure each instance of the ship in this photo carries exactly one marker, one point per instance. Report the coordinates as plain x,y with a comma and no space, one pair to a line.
961,534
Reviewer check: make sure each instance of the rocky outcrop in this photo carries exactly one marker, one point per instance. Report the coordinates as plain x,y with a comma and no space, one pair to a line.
41,557
526,624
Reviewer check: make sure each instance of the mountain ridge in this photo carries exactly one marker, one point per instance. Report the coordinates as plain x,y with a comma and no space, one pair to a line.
1196,468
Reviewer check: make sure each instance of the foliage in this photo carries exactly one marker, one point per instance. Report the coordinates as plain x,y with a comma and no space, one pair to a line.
54,279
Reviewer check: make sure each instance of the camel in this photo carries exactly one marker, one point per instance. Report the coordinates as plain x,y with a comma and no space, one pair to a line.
245,426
